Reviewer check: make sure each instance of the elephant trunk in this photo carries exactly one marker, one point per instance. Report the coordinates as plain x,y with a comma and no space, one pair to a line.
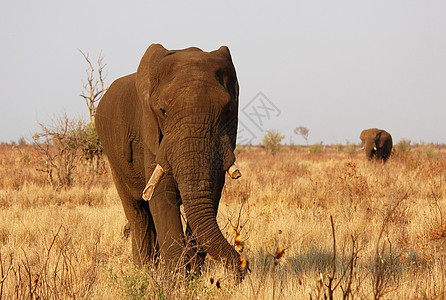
199,174
370,149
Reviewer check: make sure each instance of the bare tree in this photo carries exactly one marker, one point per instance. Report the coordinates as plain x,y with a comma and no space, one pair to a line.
302,131
93,88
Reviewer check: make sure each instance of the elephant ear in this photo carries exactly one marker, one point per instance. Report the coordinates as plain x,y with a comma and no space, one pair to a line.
224,52
148,69
232,86
146,82
381,139
363,136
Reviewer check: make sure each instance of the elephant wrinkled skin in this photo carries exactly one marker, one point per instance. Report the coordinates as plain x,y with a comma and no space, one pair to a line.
178,111
377,144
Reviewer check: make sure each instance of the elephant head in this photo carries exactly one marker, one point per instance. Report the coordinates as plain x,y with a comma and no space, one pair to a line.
188,94
377,143
173,123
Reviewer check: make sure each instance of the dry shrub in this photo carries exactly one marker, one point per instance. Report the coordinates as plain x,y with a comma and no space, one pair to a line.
62,268
18,166
22,165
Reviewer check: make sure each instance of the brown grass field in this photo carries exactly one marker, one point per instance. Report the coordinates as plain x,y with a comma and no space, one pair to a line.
387,240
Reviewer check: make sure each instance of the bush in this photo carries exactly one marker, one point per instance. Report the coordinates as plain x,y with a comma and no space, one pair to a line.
351,149
271,141
403,146
64,144
339,147
316,148
430,151
92,148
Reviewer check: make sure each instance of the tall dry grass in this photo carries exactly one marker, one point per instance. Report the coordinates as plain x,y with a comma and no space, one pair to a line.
314,225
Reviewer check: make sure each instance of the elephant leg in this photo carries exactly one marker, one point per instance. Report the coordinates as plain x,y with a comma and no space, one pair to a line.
140,224
165,209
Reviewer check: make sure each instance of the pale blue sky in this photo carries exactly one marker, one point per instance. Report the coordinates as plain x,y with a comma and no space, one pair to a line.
334,66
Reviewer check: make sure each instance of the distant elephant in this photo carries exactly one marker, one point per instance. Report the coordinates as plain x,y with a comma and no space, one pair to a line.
377,143
169,131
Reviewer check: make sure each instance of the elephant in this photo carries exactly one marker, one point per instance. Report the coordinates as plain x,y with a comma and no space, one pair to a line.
377,144
169,133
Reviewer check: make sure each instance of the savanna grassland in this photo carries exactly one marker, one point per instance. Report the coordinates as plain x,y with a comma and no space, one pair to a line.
313,225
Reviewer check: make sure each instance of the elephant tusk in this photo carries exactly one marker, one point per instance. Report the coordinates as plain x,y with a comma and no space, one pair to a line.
374,148
234,172
153,182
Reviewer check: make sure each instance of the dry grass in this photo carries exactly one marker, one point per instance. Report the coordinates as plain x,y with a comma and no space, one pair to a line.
387,239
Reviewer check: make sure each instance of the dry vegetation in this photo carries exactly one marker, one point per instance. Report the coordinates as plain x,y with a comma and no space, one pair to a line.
314,225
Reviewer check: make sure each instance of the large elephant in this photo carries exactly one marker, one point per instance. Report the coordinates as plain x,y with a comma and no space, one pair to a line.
377,144
170,130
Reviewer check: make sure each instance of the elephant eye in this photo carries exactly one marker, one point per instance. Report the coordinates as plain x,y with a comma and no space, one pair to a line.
163,111
228,113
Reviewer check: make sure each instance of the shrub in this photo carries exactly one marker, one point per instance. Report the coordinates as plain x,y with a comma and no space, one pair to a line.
351,149
64,144
271,141
430,151
339,147
316,148
92,148
403,146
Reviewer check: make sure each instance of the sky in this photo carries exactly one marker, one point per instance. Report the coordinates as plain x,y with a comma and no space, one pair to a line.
335,67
